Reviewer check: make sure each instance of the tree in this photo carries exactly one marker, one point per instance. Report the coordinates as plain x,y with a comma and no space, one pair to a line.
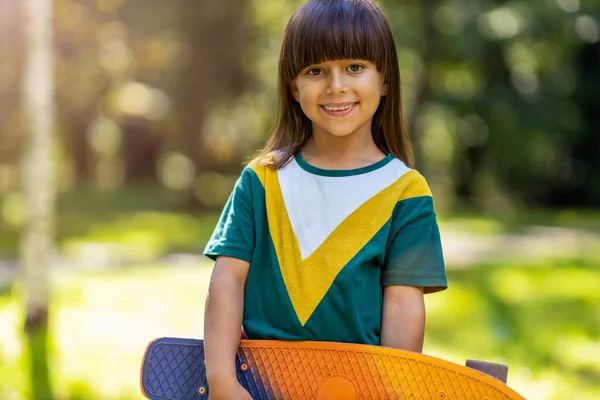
218,38
38,88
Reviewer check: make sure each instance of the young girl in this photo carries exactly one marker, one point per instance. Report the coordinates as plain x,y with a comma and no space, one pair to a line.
329,233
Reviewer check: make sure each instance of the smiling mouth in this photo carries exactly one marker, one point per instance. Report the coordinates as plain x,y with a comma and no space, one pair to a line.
339,110
339,107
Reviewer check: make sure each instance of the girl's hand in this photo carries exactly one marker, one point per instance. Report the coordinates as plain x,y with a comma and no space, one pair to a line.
231,391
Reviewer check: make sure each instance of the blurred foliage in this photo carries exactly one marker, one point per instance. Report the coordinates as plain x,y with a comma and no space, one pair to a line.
160,102
99,228
501,95
542,322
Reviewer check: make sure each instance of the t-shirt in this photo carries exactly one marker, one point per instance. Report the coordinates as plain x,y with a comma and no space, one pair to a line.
322,244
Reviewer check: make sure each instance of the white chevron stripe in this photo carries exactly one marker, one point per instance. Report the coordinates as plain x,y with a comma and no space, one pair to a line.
316,204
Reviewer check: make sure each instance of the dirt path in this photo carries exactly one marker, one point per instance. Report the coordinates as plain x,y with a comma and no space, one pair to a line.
535,245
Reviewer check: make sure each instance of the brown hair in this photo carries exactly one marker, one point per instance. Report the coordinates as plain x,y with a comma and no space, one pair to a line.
323,30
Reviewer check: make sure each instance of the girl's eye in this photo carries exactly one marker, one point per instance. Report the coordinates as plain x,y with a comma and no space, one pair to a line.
355,67
314,71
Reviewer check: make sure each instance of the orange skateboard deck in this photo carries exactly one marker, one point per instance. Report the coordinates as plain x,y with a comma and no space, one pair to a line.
174,369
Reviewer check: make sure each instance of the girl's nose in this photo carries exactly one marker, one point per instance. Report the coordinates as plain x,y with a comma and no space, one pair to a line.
337,82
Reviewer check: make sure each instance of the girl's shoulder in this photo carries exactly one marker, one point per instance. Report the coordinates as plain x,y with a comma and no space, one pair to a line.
271,160
409,182
261,167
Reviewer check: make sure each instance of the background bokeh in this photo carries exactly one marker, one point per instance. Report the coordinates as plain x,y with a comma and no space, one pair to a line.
158,105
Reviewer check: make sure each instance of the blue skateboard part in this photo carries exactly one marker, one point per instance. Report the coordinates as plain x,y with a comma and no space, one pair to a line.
173,369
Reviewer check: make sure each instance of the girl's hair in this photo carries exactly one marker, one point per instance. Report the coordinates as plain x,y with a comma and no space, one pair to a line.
323,30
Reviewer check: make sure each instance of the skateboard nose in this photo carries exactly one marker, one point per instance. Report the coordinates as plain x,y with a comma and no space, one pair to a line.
336,387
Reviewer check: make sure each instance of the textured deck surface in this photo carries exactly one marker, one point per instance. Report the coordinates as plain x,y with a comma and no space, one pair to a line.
174,369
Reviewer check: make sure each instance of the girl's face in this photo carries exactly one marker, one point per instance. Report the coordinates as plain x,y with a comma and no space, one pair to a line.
340,97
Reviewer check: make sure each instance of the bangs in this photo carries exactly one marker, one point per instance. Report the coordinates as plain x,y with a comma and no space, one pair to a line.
324,30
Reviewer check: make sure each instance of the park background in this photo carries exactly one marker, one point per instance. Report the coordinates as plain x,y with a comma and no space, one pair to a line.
158,104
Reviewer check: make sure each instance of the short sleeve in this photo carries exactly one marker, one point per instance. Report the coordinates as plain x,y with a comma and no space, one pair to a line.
414,256
234,234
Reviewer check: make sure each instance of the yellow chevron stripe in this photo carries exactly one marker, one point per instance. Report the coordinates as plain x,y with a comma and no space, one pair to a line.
307,281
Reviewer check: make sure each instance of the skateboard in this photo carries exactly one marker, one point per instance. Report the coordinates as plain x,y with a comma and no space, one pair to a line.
175,369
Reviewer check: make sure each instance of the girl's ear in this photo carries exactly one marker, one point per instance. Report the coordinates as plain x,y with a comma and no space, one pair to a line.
295,92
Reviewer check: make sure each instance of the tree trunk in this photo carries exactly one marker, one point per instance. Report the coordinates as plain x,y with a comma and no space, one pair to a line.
38,186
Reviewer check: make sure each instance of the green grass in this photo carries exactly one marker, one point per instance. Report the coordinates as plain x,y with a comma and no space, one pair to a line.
100,326
542,322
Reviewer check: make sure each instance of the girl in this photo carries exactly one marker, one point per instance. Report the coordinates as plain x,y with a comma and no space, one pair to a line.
329,233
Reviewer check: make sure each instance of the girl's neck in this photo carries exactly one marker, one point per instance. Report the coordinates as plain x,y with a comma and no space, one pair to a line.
348,152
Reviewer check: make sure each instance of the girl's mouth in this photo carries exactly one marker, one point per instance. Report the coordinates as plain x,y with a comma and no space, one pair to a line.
338,110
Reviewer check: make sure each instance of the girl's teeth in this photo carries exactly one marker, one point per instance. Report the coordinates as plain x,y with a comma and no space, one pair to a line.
338,108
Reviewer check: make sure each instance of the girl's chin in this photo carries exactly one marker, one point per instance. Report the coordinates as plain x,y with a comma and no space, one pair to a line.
338,133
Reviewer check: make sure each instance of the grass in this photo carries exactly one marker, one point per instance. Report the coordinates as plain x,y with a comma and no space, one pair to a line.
100,325
542,322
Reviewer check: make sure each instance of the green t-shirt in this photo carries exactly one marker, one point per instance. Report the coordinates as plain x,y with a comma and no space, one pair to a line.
322,244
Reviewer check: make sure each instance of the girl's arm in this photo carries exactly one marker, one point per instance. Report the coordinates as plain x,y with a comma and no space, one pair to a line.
222,326
403,318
